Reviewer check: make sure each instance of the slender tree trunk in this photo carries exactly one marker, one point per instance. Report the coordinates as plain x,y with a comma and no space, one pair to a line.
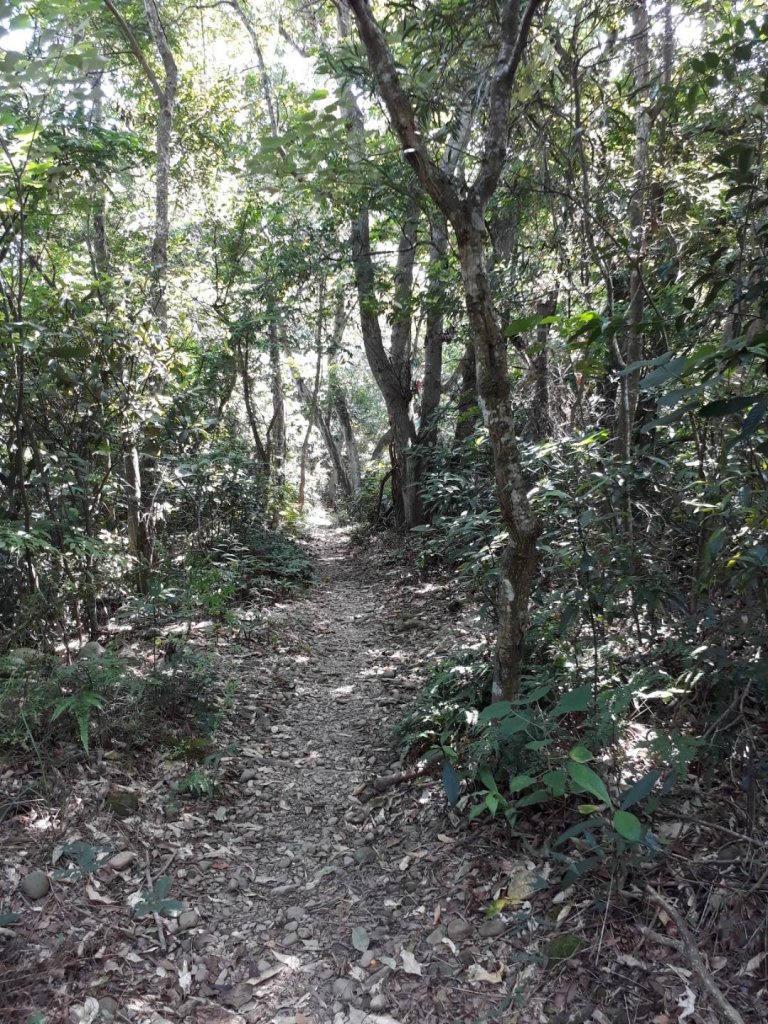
340,473
315,390
392,372
542,412
467,409
465,209
276,432
241,355
166,102
629,387
519,559
434,337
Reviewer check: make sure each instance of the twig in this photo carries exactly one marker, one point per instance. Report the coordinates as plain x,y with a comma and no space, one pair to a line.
385,782
160,933
695,959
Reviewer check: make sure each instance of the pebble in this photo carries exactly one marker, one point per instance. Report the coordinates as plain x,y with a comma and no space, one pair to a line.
295,913
305,932
292,926
122,860
494,927
365,855
345,989
109,1007
458,929
188,919
379,1001
290,938
35,885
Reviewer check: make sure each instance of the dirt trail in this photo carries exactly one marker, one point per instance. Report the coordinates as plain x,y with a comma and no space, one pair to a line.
303,904
323,872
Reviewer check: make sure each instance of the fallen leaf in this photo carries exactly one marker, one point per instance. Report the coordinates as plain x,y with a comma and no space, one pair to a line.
687,1004
478,973
271,972
360,939
410,964
754,963
365,1017
95,896
185,978
290,961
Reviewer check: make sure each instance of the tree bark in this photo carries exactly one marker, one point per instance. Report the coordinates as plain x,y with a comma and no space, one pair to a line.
541,418
276,438
465,211
311,416
166,102
629,387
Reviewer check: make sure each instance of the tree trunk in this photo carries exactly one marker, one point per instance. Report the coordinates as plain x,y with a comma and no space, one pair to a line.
315,390
541,418
139,531
517,569
629,387
465,209
241,355
276,442
467,409
392,372
166,101
340,473
434,337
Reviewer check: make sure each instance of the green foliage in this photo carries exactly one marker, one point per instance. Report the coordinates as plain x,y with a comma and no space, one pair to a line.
156,901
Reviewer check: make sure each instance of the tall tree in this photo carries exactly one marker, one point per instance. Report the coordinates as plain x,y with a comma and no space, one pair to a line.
466,213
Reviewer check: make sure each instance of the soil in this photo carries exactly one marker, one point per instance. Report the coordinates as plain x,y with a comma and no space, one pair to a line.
297,892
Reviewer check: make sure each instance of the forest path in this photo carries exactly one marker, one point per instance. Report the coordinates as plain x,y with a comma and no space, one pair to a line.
316,907
300,895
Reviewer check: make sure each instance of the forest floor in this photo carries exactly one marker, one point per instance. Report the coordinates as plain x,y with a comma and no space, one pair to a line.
304,894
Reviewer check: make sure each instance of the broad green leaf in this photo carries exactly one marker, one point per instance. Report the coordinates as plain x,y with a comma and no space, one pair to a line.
628,825
360,939
639,790
555,781
494,711
451,783
727,406
577,700
589,781
521,782
581,754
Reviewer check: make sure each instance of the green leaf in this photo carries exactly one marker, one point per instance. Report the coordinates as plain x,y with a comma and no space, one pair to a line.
579,829
451,783
162,887
539,796
577,700
727,406
640,790
525,323
581,754
628,826
520,782
6,920
588,781
476,811
494,711
360,939
555,781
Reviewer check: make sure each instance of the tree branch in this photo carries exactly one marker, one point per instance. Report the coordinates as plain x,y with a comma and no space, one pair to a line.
128,34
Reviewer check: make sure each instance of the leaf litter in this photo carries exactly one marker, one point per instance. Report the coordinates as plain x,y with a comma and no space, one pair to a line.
280,896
